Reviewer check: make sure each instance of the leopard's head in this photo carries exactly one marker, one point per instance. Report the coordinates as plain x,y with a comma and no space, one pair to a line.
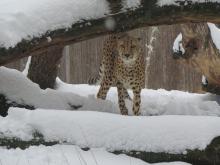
129,48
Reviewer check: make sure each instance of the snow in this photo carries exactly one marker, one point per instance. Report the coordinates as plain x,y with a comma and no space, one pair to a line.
110,23
17,87
183,121
131,4
24,19
204,80
174,2
67,155
154,102
177,45
215,33
170,134
25,71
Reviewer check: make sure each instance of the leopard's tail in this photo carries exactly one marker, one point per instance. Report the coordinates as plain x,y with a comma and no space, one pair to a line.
96,80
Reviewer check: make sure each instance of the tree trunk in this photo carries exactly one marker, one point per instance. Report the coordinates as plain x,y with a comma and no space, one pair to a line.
201,54
44,67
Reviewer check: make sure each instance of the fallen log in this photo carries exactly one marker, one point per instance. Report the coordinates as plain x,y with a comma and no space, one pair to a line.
209,156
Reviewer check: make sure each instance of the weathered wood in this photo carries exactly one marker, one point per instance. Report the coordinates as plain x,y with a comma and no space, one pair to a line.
147,14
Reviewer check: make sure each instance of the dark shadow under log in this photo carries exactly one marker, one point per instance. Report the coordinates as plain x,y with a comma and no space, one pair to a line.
5,104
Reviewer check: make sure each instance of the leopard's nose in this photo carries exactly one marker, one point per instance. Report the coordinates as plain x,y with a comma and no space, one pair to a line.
126,55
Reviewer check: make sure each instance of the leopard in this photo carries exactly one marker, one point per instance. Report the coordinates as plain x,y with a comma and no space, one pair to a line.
122,66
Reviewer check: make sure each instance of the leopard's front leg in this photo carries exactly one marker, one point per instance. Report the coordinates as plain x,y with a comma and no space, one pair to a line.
136,101
122,93
103,90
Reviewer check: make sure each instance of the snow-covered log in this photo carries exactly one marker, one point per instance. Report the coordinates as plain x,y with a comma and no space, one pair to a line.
113,16
209,156
158,138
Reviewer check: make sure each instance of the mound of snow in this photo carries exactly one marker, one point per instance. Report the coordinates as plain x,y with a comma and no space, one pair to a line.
154,102
172,134
16,87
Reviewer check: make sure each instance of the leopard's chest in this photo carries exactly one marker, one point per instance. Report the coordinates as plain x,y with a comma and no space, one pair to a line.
128,76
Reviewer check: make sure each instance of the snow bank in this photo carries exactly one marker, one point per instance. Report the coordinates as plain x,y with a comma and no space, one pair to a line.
172,134
17,87
66,155
154,102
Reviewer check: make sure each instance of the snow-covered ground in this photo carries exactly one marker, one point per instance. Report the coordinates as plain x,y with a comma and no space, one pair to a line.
67,155
154,102
182,121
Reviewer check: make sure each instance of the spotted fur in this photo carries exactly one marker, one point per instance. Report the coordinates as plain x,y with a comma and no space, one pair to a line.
122,66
